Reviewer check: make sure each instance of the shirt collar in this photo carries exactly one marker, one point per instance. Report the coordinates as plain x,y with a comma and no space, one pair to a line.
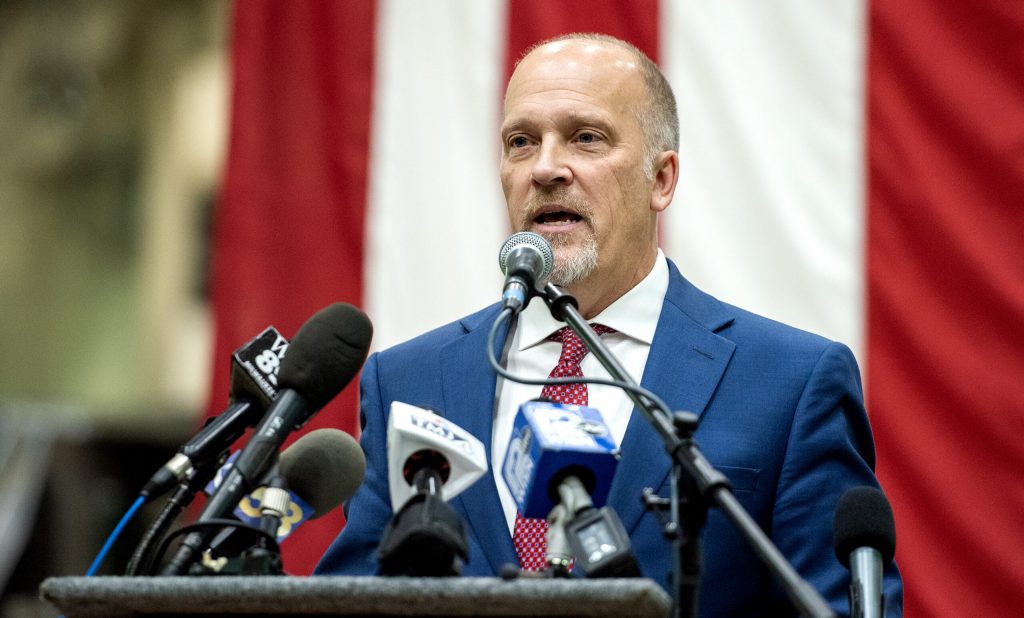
635,313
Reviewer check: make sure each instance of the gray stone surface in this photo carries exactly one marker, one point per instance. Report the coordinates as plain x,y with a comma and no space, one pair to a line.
354,596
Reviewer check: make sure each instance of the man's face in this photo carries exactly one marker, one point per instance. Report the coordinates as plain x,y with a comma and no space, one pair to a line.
572,166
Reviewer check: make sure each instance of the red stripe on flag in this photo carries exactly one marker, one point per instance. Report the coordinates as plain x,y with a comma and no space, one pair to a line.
288,231
945,295
530,21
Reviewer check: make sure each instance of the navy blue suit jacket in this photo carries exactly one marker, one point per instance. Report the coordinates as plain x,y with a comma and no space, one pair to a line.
781,414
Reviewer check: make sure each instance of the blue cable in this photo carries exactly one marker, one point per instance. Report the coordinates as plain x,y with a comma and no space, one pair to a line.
113,536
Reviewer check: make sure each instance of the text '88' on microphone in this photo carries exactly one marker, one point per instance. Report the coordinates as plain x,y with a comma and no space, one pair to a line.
324,356
254,368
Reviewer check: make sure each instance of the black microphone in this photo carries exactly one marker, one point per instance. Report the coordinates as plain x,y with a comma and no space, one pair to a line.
322,469
325,354
325,468
865,540
526,259
254,368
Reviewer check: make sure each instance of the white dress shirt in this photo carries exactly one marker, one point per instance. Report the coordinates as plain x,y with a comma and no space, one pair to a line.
634,316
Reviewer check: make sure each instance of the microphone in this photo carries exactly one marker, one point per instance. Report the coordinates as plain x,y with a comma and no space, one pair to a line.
560,463
325,354
551,441
254,368
320,470
419,440
526,259
865,540
430,460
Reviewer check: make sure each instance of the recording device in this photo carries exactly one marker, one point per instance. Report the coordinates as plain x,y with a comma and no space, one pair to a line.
526,259
319,471
597,538
254,368
325,354
430,460
560,462
865,540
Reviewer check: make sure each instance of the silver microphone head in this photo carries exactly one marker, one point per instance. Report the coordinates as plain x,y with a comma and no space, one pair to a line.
528,240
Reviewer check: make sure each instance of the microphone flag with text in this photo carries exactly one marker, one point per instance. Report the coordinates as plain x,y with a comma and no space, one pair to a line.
430,461
254,368
323,357
253,387
559,465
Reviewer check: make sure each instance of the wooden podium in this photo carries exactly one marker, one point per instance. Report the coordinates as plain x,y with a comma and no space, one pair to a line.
353,596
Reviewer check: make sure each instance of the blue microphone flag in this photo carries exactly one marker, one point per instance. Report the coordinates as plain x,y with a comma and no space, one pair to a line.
551,441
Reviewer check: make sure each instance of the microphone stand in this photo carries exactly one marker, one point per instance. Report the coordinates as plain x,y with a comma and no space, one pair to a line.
696,484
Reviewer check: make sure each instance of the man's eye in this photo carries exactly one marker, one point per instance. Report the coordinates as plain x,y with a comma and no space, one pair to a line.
586,138
517,141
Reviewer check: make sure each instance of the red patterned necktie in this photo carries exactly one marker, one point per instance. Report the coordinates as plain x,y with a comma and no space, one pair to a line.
530,535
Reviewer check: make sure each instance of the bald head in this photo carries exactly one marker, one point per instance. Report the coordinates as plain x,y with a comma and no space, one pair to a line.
589,160
655,110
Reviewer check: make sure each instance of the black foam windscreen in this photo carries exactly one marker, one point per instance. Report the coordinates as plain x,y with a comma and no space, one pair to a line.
324,468
864,519
326,353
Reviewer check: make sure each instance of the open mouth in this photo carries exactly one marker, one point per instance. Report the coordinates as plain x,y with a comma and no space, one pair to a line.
557,217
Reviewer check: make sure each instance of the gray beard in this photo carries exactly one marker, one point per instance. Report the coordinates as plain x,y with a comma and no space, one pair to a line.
572,264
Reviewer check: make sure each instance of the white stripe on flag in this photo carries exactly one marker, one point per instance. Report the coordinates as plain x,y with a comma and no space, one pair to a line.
436,216
769,211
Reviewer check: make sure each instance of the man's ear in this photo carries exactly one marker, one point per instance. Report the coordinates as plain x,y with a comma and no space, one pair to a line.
666,175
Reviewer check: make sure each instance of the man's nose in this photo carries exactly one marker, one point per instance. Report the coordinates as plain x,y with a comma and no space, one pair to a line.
551,165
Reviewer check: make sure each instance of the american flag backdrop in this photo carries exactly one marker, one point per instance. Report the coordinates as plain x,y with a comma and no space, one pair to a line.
851,167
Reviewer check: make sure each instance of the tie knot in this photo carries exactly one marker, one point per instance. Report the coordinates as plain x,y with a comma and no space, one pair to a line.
565,334
568,335
574,348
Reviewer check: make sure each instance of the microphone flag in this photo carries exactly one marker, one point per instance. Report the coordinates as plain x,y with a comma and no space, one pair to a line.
248,509
551,441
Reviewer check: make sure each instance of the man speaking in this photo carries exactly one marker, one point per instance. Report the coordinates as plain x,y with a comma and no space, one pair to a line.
589,141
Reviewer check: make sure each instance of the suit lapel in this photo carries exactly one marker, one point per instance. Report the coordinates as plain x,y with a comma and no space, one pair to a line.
468,384
685,365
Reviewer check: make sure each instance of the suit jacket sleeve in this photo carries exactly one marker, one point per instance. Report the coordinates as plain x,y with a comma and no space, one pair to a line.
354,552
829,451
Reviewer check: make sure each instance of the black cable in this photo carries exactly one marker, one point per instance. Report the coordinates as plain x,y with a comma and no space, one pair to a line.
650,398
142,558
222,523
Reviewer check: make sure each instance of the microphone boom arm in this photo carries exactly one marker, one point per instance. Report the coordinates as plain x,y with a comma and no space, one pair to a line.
693,475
